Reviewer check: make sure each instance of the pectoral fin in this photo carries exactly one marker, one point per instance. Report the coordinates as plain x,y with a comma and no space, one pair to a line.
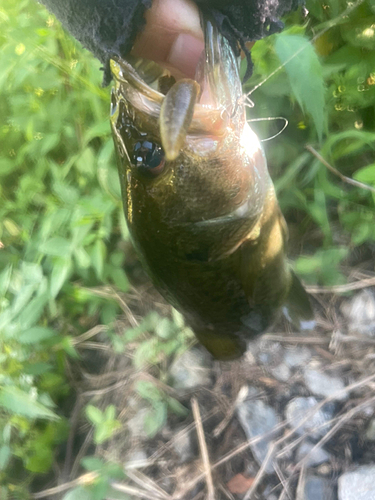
297,308
222,347
176,114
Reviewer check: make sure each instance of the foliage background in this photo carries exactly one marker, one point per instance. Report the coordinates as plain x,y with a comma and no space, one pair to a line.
62,230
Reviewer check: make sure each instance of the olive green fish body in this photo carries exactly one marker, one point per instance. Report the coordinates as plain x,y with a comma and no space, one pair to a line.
199,202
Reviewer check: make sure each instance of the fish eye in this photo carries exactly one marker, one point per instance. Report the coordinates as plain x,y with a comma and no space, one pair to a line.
148,157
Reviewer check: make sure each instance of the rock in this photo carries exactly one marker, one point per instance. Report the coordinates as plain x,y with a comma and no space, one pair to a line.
191,369
358,484
136,425
271,355
318,488
258,419
370,432
297,356
321,384
281,372
360,313
316,457
298,409
136,458
183,446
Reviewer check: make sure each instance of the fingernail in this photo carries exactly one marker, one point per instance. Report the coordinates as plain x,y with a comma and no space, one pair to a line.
185,53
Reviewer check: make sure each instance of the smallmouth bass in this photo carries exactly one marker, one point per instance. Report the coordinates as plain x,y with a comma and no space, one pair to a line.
199,202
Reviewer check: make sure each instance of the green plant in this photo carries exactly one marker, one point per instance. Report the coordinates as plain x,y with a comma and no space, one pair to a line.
104,422
61,224
326,91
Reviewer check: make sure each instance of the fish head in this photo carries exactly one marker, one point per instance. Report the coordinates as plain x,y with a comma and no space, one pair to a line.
187,156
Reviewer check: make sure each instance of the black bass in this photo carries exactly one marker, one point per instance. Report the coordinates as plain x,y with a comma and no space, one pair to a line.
199,202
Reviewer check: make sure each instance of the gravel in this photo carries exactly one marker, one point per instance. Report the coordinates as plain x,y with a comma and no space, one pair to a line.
258,419
358,484
321,384
191,369
302,418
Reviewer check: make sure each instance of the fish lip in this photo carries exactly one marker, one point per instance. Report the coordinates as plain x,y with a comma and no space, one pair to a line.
207,119
218,75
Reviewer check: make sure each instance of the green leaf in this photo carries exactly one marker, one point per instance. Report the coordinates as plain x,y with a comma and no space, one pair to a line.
67,344
148,390
57,246
35,335
110,412
5,455
178,318
82,257
304,71
120,279
78,494
94,414
98,255
32,312
41,460
5,279
165,328
155,419
114,471
366,174
19,402
177,407
105,431
37,369
92,463
59,274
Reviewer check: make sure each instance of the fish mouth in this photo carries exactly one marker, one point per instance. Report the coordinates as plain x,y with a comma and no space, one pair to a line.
212,98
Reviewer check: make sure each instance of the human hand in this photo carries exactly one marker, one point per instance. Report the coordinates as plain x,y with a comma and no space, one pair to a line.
172,36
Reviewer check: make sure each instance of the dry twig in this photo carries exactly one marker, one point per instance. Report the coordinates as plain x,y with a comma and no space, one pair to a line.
147,484
83,480
344,178
300,493
131,490
250,492
203,448
348,287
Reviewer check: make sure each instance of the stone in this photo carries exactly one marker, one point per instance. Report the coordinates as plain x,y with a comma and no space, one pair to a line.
322,384
136,424
298,409
183,446
281,372
297,356
191,369
370,431
318,488
271,355
358,484
316,457
359,312
258,419
136,458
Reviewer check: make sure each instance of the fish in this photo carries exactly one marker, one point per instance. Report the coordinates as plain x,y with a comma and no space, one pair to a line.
199,201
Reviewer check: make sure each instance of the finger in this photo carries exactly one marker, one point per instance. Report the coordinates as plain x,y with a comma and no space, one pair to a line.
172,36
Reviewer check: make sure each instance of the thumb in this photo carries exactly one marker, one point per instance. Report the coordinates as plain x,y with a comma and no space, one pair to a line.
172,36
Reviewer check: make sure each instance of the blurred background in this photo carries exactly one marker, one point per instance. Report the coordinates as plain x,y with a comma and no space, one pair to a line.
67,269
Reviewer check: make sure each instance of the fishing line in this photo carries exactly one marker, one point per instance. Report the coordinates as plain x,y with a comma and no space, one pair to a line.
330,24
269,119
